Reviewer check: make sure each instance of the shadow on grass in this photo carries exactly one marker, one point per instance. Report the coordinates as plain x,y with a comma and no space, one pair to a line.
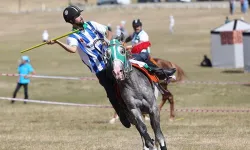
99,122
247,84
233,71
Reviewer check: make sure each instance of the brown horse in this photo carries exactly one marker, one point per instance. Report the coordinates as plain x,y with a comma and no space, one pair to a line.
180,74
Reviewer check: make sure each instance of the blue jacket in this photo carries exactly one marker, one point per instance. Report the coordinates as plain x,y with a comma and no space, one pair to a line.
24,69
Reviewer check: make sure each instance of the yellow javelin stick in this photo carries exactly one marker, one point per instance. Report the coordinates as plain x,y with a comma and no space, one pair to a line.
36,46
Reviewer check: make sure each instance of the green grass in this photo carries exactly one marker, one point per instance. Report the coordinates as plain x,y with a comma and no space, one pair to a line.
51,127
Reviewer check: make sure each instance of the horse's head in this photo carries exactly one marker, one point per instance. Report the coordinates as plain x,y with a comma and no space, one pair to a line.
118,60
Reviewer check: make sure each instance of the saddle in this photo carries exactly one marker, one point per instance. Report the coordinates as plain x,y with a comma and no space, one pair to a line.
154,80
150,76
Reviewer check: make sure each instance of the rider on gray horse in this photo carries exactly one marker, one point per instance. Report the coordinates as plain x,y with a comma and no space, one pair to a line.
140,41
83,42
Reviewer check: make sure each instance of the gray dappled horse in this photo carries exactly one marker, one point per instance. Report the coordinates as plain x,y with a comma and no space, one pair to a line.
137,94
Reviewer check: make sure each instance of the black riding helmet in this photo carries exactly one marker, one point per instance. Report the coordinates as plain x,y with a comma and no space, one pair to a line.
136,23
71,13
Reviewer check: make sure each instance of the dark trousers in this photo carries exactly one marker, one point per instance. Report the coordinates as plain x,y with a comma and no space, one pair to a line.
143,56
105,79
18,86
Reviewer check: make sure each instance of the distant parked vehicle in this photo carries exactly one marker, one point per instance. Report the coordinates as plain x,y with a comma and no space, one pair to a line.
106,2
156,1
113,2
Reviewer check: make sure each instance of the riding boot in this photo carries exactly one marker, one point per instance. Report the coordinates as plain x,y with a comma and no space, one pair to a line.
107,81
160,72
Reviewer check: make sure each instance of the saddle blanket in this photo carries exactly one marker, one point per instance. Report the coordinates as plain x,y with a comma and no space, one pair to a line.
142,66
139,63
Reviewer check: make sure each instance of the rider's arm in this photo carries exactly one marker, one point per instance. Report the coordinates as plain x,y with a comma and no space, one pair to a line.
102,29
128,39
72,47
129,48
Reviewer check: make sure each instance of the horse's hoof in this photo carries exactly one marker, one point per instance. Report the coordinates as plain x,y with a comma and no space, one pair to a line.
145,148
112,121
171,119
155,148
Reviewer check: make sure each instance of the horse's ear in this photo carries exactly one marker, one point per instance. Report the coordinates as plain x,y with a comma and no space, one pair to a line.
120,37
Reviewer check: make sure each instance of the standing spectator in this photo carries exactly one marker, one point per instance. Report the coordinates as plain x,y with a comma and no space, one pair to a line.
244,6
122,28
171,24
118,31
24,69
232,6
45,36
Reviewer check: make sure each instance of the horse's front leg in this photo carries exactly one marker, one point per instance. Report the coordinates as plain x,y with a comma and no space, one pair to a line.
143,143
167,96
155,123
171,102
163,101
115,116
141,127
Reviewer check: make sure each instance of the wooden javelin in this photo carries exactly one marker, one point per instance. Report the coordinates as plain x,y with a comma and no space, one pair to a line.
44,43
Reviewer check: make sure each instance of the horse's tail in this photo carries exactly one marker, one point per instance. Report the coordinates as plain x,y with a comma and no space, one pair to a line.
167,64
180,73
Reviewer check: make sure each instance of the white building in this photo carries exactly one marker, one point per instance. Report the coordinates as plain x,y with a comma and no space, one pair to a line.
227,44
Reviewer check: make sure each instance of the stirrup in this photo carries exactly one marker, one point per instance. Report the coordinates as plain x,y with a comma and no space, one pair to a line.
168,80
169,72
164,75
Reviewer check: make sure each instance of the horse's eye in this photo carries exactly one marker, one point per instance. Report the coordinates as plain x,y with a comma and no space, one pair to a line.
122,50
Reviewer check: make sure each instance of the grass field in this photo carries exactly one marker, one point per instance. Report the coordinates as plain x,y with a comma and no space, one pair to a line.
51,127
